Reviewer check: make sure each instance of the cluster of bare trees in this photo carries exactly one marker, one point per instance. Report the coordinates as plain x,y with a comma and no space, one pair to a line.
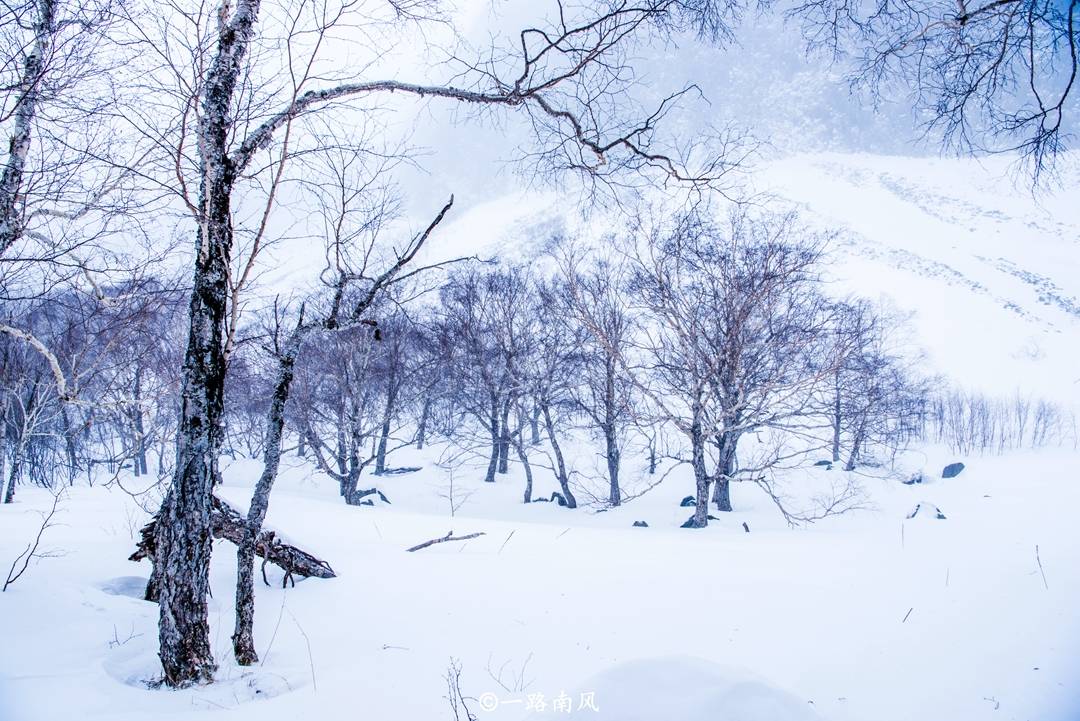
682,341
117,405
973,422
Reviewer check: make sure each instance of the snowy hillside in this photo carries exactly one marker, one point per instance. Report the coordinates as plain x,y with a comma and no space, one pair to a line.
990,271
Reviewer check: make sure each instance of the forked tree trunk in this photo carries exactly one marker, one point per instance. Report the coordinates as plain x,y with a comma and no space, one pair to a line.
560,463
243,638
725,471
184,540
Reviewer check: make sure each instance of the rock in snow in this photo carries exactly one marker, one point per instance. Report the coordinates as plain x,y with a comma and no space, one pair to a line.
683,688
952,470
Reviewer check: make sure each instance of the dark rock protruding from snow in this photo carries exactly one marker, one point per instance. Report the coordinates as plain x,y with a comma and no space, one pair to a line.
640,524
952,470
688,502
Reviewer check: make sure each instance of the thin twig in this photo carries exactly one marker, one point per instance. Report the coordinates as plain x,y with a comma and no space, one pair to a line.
1039,561
506,541
444,539
31,550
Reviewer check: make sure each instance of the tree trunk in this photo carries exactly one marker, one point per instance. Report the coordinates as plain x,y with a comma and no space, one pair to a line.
560,464
493,463
3,447
504,437
139,427
725,470
421,430
18,456
13,475
837,419
27,95
613,456
243,639
388,414
69,443
183,537
534,425
701,475
611,440
519,446
856,446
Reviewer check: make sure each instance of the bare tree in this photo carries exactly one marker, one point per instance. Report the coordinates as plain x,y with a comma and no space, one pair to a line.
991,76
596,302
734,343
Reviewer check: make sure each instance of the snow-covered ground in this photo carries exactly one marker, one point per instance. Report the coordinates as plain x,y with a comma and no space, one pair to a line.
869,616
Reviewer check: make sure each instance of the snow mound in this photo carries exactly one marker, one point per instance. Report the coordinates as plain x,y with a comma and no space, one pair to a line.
687,689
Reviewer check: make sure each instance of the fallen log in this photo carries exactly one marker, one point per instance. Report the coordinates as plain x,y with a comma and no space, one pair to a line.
228,523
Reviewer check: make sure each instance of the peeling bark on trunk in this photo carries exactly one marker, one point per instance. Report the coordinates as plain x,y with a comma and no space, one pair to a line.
701,475
28,94
183,533
13,475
